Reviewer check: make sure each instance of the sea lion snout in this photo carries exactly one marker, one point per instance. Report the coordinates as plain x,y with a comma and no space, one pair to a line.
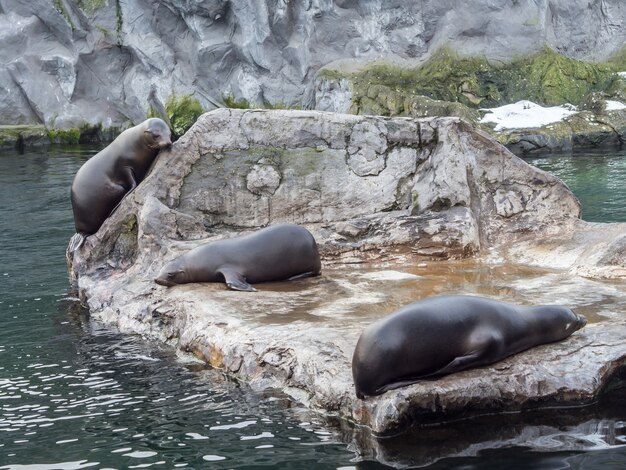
170,275
580,321
163,282
160,142
165,142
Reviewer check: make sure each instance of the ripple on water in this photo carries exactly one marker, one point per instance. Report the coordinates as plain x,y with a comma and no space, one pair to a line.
52,466
125,406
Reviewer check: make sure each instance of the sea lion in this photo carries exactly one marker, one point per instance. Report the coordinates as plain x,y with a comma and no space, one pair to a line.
101,182
442,335
274,253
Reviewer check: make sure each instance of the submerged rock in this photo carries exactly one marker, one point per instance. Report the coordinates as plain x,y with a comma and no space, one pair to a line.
371,189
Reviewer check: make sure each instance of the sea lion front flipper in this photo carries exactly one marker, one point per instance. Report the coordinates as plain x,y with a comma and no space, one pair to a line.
303,275
235,280
459,363
121,200
484,347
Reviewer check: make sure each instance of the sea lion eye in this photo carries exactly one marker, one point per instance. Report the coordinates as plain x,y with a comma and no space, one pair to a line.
170,275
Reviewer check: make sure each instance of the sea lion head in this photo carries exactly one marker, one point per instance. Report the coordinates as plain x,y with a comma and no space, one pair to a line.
172,273
559,322
157,134
578,322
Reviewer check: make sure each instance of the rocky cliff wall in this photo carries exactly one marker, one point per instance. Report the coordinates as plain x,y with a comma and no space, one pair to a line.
66,62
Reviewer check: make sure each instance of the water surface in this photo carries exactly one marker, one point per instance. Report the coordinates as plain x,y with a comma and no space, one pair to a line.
595,177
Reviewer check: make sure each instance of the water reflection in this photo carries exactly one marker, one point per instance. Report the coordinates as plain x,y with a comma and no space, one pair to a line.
595,428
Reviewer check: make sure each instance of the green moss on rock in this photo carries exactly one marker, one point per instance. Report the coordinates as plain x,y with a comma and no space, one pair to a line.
119,23
231,102
58,6
555,79
21,136
26,136
618,61
382,100
91,6
547,78
127,245
182,111
63,136
593,102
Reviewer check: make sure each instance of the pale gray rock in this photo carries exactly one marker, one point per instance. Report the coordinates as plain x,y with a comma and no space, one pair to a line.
590,249
263,179
446,191
98,62
333,95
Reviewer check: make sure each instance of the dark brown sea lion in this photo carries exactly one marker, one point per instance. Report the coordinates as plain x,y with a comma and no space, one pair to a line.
103,180
442,335
274,253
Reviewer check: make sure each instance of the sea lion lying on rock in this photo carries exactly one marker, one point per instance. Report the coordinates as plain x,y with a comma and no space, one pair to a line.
274,253
103,180
442,335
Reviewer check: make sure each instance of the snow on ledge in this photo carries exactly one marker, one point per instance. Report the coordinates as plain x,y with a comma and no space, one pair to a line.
614,105
525,114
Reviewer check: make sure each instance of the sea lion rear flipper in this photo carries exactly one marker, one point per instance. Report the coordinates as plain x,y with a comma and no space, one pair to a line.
76,242
235,280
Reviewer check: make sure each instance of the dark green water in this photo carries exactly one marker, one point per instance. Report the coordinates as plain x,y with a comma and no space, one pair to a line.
597,178
76,394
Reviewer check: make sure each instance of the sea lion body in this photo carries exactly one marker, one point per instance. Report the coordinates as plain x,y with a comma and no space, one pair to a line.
442,335
102,181
274,253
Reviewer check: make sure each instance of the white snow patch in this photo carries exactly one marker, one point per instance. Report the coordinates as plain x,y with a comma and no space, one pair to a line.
614,105
525,114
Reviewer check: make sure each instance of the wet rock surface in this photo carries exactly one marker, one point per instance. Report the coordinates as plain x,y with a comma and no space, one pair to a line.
417,190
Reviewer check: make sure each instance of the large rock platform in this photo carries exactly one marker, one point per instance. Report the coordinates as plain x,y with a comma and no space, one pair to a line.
384,198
